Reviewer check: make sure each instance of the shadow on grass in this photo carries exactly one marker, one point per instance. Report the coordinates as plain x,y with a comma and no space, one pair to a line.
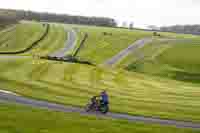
172,74
185,76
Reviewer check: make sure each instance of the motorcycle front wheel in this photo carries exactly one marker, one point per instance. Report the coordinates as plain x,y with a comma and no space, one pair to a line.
87,107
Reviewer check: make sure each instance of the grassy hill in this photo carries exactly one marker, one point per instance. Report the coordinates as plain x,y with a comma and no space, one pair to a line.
74,84
54,41
20,36
174,59
103,43
23,35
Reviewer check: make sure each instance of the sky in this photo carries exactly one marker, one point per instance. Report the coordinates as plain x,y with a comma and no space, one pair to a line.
141,12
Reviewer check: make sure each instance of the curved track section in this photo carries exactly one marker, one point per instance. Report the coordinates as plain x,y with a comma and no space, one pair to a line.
69,45
10,97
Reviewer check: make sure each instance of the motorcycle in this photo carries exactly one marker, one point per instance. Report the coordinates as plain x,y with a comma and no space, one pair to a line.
96,105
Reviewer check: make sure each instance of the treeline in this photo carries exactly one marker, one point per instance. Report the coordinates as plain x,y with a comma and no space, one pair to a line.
186,29
7,18
63,18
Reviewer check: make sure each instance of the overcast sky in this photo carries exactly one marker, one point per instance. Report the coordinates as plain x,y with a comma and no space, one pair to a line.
141,12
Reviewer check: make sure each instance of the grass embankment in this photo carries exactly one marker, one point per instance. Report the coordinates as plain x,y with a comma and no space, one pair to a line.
17,118
5,36
74,84
21,36
53,42
174,59
24,34
103,43
79,39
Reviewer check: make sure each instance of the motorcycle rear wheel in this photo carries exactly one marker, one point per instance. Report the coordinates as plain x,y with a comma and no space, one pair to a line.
104,109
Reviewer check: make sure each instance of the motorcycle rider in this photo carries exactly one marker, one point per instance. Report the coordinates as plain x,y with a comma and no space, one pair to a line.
104,98
99,103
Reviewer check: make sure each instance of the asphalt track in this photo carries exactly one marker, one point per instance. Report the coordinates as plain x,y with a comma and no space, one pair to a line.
9,97
69,45
138,44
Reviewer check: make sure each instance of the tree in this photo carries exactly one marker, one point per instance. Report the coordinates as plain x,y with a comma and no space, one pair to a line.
189,29
131,25
61,18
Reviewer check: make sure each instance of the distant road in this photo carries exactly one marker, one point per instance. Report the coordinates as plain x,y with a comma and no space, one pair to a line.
9,97
138,44
69,45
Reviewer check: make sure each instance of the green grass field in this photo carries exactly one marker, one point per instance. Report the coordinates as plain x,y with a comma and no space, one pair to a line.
54,41
20,37
175,59
100,47
103,43
15,118
24,34
74,84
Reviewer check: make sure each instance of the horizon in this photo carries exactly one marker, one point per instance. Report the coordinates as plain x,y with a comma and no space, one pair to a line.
141,13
